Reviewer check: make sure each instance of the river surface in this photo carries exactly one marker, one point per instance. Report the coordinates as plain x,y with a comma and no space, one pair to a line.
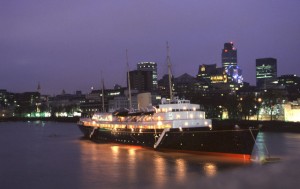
53,155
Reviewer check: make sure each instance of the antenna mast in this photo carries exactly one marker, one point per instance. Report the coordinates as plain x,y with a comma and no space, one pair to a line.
102,81
169,72
128,81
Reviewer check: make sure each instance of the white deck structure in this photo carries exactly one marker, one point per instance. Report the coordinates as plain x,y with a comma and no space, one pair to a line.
175,114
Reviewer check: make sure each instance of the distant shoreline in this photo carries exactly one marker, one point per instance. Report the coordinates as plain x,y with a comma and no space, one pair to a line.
57,119
266,126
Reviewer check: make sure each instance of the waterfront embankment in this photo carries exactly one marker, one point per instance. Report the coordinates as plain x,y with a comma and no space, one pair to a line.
56,119
265,126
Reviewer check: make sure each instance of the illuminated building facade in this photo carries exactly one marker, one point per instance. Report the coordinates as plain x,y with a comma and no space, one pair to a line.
211,74
229,79
266,72
289,80
93,100
292,111
291,83
229,76
229,64
206,71
234,74
229,55
7,103
149,66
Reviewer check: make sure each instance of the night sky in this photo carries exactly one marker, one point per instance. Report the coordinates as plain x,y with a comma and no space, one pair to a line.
66,44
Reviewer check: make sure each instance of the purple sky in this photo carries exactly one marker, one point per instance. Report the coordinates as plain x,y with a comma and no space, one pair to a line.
65,44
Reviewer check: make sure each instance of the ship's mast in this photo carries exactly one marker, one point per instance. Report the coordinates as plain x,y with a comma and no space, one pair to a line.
128,81
169,72
102,81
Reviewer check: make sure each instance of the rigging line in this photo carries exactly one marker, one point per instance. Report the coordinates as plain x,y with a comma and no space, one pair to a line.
128,81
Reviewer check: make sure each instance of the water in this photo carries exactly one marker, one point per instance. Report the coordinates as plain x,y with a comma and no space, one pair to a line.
53,155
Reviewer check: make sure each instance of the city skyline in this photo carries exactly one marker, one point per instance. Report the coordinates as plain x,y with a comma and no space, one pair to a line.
66,45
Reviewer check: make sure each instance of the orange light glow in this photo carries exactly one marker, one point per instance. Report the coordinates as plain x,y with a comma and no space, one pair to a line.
210,169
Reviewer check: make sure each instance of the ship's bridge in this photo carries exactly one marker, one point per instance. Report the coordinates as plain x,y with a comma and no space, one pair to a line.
180,110
177,105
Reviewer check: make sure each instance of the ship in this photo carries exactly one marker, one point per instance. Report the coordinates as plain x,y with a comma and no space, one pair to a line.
173,125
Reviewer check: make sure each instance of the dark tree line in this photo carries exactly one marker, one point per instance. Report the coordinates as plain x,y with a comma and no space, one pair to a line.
237,106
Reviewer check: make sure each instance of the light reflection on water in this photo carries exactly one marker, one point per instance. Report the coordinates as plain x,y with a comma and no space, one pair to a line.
210,169
285,146
53,155
180,170
130,165
260,150
159,171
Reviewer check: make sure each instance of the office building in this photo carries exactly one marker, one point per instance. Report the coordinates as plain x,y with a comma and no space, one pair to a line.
289,80
149,66
229,55
141,80
266,72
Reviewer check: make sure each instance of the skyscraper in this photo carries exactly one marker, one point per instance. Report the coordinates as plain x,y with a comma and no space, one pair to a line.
149,66
230,67
266,72
229,55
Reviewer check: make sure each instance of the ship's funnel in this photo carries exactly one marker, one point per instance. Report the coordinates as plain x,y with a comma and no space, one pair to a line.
144,101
